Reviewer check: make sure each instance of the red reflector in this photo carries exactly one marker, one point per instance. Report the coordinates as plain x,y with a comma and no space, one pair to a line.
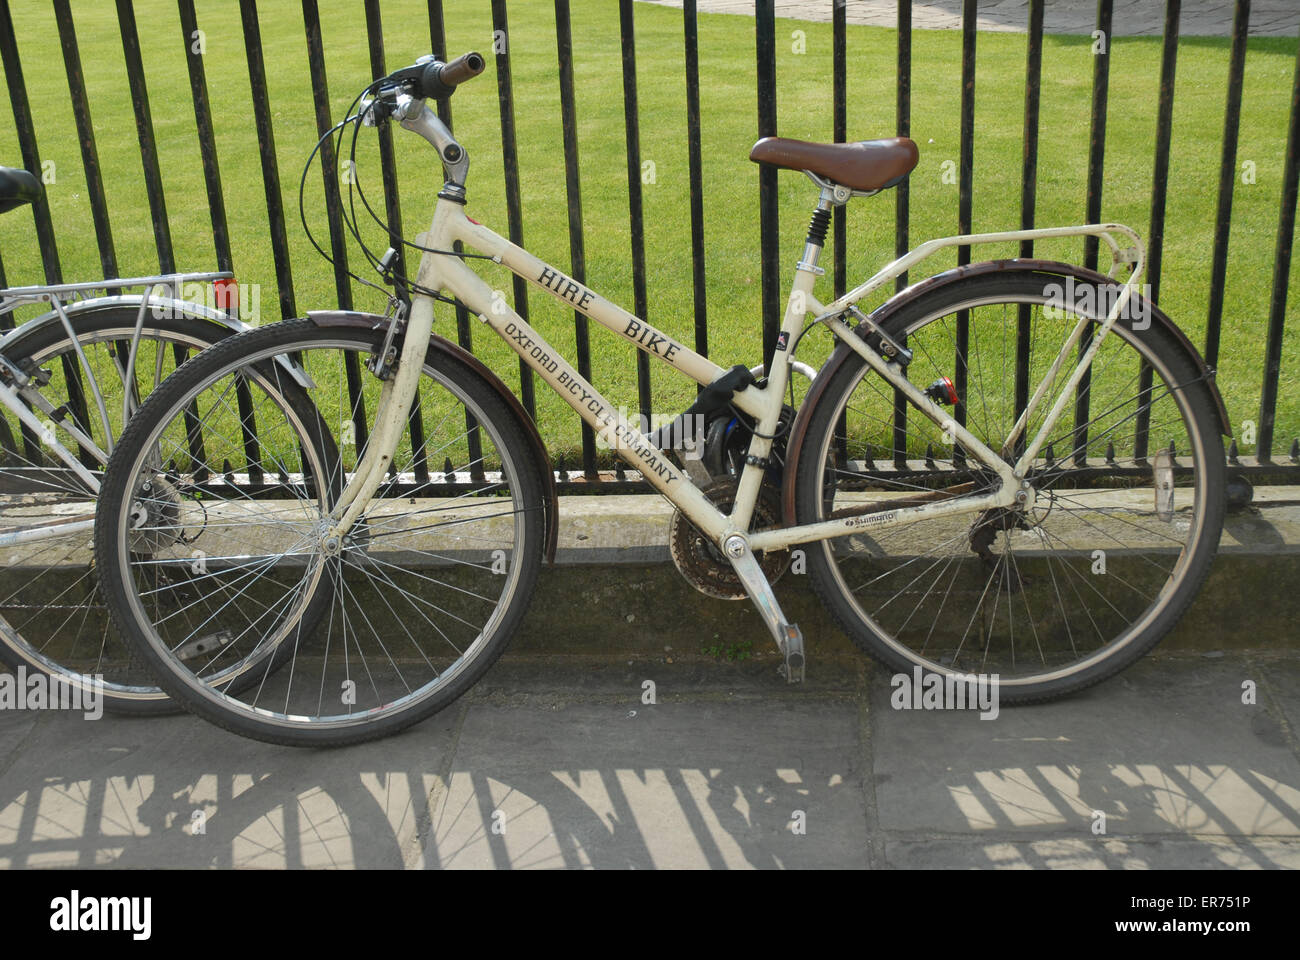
942,391
226,293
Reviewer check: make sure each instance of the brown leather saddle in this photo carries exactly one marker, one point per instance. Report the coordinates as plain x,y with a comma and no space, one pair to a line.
866,165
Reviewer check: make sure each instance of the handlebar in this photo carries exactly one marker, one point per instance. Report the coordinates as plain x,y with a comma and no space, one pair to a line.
402,93
428,78
465,67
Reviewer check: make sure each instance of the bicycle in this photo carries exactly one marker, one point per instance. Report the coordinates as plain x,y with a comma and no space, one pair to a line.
70,377
960,529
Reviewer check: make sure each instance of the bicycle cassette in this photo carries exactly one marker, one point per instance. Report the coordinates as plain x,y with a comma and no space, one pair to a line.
700,561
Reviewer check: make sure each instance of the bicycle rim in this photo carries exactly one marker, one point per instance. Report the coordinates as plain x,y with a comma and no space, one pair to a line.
1125,511
369,633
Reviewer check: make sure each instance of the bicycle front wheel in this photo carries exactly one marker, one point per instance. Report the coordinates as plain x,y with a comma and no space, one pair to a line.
344,640
1119,532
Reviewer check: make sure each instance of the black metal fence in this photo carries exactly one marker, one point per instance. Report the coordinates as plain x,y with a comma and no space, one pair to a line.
1285,467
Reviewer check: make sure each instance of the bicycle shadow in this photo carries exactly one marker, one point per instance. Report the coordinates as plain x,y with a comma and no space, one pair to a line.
1164,766
611,784
716,779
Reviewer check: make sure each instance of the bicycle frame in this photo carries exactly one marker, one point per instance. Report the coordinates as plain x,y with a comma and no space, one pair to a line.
449,273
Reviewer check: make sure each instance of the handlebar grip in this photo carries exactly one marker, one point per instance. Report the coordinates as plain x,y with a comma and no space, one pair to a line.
465,67
440,79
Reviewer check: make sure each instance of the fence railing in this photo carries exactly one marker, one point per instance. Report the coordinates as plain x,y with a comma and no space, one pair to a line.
1268,462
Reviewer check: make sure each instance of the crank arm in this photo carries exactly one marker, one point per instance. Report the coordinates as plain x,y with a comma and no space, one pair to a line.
787,635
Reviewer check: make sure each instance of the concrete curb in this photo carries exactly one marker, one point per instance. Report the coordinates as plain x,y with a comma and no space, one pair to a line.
613,589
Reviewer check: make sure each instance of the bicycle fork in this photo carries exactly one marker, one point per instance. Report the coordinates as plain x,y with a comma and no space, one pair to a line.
390,420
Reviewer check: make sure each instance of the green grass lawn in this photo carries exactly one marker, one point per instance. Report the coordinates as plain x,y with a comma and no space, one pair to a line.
727,67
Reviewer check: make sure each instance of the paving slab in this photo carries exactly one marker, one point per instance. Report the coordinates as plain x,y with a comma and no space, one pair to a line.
671,785
124,792
1278,683
1201,853
1165,748
561,762
14,730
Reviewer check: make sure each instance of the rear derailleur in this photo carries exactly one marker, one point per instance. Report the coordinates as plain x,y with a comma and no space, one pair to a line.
984,532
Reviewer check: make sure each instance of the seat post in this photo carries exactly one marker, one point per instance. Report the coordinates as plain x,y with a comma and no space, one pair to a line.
821,219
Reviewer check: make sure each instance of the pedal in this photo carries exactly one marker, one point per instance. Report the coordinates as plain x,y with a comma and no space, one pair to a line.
792,669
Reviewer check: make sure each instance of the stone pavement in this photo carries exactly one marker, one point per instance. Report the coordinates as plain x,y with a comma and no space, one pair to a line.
557,762
1210,18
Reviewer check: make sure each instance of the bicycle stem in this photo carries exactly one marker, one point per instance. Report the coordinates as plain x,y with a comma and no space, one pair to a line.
390,418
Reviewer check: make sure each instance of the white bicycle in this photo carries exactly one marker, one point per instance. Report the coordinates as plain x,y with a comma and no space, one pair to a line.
1044,510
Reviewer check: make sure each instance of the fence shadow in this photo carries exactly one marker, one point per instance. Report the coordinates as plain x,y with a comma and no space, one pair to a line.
712,781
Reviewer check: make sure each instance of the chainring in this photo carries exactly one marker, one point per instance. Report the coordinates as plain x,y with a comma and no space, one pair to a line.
700,561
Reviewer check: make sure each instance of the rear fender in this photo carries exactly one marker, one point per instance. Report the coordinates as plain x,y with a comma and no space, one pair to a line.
884,315
223,322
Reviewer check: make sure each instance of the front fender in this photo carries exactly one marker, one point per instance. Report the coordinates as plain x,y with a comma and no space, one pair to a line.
883,314
372,321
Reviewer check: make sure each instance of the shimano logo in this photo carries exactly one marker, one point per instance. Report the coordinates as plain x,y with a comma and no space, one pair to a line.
872,519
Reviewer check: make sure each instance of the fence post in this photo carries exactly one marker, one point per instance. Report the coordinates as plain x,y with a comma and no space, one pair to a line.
1227,180
768,206
573,188
1096,161
1281,275
636,226
207,142
1028,196
25,130
902,210
334,211
1159,191
691,39
86,135
266,148
965,176
510,163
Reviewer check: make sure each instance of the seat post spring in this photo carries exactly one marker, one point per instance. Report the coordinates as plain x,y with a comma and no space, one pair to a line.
821,220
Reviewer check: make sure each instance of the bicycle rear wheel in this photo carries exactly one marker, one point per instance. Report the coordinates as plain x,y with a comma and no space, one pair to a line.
1127,506
343,641
52,617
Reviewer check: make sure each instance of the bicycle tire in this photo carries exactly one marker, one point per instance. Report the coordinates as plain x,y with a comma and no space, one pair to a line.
1073,555
374,568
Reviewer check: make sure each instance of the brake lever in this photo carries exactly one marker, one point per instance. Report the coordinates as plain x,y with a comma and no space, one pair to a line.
375,110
